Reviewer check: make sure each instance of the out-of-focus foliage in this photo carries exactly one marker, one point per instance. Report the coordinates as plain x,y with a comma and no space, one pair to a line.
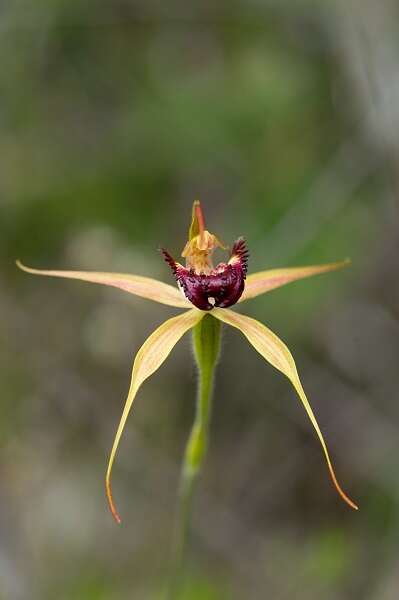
282,117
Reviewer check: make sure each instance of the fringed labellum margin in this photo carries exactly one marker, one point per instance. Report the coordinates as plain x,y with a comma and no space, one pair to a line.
203,285
206,288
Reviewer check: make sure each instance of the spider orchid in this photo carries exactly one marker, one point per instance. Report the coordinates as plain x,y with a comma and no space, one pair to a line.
205,292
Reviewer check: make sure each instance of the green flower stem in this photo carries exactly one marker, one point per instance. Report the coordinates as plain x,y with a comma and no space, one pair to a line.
206,341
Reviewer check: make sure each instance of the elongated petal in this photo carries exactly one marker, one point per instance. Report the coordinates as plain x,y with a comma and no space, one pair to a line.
276,353
265,281
148,359
152,289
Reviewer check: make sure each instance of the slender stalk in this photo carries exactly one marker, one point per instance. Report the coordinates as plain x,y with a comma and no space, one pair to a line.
206,342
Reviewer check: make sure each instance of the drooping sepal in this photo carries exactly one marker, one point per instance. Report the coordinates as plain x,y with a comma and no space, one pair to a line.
277,354
149,358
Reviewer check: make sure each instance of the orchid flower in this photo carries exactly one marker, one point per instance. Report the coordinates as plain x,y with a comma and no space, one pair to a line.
206,293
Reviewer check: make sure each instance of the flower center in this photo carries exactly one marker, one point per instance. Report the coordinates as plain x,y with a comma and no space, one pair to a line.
199,250
205,286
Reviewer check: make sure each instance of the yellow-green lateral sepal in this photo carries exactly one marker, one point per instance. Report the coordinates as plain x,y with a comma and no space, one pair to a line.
145,287
265,281
149,358
277,354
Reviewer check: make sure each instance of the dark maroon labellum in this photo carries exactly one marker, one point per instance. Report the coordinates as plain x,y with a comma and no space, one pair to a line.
222,287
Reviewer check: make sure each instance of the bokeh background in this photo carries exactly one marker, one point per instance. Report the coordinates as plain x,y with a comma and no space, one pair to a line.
283,117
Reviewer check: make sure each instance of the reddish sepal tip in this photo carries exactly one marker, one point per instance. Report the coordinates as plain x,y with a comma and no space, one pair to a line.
111,504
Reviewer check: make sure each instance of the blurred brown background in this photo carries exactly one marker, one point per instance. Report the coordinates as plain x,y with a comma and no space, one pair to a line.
283,117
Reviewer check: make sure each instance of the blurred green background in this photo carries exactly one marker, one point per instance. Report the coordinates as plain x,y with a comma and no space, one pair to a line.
283,118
